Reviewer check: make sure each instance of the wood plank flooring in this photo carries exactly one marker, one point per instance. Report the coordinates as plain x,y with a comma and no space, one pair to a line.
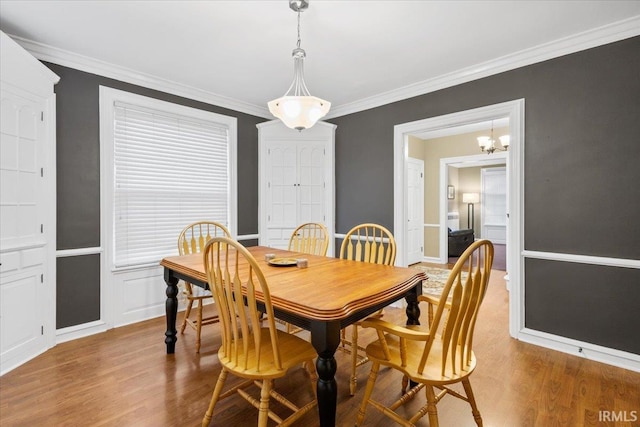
124,378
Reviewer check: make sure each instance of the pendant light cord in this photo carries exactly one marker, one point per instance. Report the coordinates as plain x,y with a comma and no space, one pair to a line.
298,28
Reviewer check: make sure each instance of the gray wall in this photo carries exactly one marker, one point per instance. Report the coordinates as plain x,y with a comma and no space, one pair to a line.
78,183
582,147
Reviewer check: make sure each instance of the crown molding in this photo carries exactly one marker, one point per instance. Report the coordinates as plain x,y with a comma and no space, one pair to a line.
599,36
87,64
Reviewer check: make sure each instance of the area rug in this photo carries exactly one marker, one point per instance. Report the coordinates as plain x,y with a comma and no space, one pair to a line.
436,278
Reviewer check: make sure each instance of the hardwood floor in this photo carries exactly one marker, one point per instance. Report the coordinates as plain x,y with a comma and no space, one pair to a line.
124,378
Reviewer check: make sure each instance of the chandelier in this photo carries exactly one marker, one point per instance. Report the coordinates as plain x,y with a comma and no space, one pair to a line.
488,144
297,108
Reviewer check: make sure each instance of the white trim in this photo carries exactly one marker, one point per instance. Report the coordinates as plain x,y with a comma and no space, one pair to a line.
583,259
621,359
51,268
432,225
431,259
248,237
514,110
94,66
586,40
592,38
78,252
80,331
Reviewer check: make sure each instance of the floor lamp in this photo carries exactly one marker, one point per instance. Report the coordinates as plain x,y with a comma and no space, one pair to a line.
470,199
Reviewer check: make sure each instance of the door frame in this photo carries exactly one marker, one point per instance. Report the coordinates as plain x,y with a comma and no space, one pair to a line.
514,111
420,162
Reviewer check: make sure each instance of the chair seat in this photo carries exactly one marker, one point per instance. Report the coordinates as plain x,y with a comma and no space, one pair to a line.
293,349
414,349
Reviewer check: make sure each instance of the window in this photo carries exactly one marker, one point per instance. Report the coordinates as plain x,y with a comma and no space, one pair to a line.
169,166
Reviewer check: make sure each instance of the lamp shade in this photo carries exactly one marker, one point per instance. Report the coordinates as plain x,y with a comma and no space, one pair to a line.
299,112
470,198
484,142
504,140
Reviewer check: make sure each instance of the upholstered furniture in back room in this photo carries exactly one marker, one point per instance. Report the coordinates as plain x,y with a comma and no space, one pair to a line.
459,240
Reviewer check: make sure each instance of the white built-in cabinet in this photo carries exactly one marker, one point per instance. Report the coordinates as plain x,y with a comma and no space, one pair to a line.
296,171
27,206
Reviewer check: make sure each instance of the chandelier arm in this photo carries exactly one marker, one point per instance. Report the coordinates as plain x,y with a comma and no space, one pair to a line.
304,91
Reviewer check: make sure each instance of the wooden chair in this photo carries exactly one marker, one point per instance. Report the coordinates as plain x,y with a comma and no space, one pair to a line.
441,356
193,239
249,351
366,243
310,238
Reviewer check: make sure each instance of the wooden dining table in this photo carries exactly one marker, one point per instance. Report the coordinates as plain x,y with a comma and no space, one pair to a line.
327,296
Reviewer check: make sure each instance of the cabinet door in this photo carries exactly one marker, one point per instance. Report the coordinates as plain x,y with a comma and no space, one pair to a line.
311,188
295,188
21,142
282,179
22,311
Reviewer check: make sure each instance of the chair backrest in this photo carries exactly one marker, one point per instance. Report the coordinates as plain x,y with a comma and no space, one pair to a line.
369,243
310,238
194,237
234,278
462,298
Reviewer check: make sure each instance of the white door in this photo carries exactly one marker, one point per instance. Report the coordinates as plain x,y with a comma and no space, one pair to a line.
281,173
22,242
311,184
415,214
494,204
295,188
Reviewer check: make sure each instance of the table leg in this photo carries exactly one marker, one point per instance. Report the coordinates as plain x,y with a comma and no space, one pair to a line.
413,318
413,309
325,337
171,309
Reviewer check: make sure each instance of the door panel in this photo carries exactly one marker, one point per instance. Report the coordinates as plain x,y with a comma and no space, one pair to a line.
281,173
311,188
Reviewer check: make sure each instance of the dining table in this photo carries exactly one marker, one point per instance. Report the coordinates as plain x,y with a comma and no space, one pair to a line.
325,296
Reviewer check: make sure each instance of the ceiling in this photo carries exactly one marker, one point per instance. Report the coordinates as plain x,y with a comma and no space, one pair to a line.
359,53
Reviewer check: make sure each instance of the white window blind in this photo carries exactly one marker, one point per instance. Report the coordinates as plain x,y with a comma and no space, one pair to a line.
169,171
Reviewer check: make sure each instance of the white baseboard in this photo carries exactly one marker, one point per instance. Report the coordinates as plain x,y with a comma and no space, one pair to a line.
609,356
431,259
80,331
8,365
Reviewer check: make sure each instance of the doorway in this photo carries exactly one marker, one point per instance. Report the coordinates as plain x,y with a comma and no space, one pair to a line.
478,164
514,112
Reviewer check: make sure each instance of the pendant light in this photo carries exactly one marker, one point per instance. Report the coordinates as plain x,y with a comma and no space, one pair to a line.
297,108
